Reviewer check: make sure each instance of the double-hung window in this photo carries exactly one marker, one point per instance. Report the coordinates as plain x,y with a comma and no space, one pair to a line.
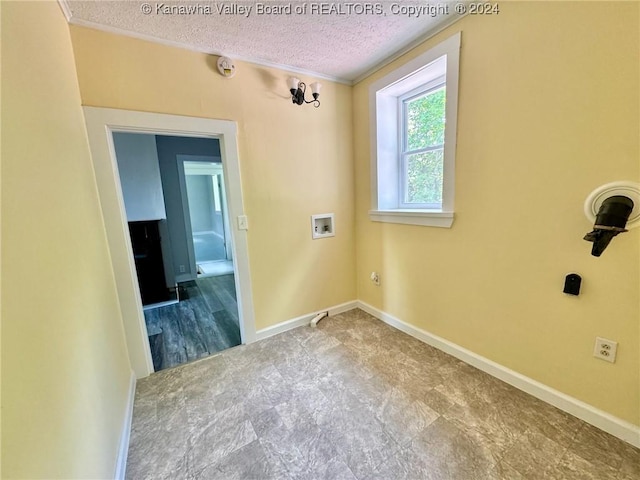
413,125
421,155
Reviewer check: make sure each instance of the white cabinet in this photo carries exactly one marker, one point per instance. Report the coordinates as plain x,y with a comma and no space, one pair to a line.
139,170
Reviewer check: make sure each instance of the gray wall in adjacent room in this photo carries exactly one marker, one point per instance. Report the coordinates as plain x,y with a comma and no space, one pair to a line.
137,158
201,203
175,195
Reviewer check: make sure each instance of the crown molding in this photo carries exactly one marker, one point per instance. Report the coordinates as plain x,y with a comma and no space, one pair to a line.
66,10
407,48
169,43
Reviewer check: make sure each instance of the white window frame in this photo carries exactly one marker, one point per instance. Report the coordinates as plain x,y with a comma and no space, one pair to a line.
386,120
403,148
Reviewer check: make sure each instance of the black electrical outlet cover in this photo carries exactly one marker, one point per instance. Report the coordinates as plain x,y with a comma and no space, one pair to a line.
572,284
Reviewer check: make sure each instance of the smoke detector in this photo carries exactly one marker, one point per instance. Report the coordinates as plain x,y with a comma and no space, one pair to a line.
226,67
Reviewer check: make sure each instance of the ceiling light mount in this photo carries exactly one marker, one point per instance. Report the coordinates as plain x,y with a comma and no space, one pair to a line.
298,90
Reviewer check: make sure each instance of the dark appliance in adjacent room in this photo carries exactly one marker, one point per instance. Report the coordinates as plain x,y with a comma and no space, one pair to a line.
147,252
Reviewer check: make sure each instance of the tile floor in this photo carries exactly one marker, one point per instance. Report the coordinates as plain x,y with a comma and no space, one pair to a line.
204,322
356,399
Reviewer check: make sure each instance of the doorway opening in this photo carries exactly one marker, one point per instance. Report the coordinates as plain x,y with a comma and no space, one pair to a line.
181,313
209,216
176,206
101,124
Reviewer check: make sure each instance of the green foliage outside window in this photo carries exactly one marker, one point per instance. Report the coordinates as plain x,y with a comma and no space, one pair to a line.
425,123
424,177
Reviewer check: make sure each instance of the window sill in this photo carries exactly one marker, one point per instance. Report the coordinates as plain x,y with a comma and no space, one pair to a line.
425,218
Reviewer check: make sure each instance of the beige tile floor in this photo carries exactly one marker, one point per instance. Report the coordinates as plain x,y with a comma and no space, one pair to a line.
356,399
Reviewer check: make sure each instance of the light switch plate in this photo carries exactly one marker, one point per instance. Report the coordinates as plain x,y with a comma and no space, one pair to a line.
243,222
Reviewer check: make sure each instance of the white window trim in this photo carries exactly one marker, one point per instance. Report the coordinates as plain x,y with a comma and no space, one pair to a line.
383,98
403,150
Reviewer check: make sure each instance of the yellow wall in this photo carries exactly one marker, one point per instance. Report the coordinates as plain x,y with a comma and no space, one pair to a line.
548,110
65,369
295,161
0,248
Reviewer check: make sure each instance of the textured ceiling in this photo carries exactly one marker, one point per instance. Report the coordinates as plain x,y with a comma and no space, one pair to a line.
341,40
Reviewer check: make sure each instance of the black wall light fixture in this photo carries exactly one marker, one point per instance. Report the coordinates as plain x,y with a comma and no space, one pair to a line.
298,90
610,221
613,208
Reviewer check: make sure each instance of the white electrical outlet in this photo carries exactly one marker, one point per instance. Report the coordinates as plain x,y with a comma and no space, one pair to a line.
182,269
605,349
375,278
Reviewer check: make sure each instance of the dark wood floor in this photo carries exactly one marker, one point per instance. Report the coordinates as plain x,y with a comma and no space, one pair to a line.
205,321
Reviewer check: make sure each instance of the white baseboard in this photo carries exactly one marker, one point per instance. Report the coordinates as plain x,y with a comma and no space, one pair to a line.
303,320
598,418
123,450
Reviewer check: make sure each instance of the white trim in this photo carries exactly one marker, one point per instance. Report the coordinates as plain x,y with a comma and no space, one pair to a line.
101,122
204,167
404,152
160,304
303,320
420,62
615,426
64,5
185,46
123,449
407,48
385,120
66,11
183,277
413,217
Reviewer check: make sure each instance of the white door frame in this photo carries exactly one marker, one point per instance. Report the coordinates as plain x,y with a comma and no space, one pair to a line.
213,170
101,123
